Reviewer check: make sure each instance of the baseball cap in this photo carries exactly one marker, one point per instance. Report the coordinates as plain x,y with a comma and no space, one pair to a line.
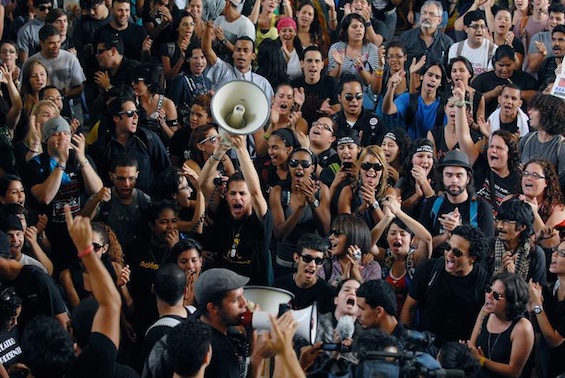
4,245
54,125
10,222
214,282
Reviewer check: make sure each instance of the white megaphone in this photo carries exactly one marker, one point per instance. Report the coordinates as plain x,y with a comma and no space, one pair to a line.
268,298
306,318
240,107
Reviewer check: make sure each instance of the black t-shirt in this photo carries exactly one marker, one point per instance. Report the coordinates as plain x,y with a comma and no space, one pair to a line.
224,363
487,81
39,293
449,307
250,257
322,292
555,311
503,186
372,126
98,358
315,95
484,218
132,36
10,350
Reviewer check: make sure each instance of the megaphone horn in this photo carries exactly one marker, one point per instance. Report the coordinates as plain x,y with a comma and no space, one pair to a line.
306,318
240,107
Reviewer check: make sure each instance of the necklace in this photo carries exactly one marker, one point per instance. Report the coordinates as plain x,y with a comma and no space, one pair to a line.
235,243
493,345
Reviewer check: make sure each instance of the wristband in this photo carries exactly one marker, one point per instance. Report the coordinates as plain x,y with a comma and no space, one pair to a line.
482,361
61,166
460,103
84,163
266,136
86,251
34,151
215,157
368,23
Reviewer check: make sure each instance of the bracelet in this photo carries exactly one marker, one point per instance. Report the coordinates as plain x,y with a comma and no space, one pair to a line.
266,136
461,103
86,252
215,157
482,361
61,166
34,151
333,19
84,163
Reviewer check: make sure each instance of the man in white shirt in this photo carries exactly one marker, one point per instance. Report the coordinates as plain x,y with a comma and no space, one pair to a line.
476,47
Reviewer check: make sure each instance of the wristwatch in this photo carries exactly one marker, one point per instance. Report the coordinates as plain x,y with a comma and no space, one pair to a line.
538,310
315,204
375,205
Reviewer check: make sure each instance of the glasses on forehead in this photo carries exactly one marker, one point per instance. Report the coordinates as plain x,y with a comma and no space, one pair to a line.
351,96
213,139
7,293
376,166
293,163
496,295
456,251
129,113
323,126
308,259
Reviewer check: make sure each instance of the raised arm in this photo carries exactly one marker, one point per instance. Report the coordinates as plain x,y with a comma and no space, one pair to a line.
107,318
389,107
207,49
92,181
462,130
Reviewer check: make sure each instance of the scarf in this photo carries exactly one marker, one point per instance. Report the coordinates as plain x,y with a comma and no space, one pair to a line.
522,262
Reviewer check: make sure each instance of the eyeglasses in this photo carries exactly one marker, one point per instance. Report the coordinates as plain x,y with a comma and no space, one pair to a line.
129,113
322,126
293,163
506,221
44,8
376,166
337,232
7,294
6,51
138,79
187,24
496,295
534,175
97,247
213,139
124,179
398,56
53,98
308,259
456,251
478,27
560,252
350,96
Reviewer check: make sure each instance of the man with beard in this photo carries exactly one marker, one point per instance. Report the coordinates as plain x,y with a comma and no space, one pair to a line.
123,206
448,292
550,64
320,90
240,223
306,286
369,126
513,250
508,116
541,43
135,34
478,49
458,205
427,39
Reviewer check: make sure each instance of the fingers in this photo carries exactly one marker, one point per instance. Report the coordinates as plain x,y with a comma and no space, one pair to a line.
68,217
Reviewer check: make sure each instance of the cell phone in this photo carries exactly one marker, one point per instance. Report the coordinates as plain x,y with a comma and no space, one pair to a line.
218,181
347,165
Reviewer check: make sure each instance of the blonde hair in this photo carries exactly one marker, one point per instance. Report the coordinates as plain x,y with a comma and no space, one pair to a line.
377,152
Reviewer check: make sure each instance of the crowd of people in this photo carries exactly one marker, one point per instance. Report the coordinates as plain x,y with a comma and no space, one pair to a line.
411,175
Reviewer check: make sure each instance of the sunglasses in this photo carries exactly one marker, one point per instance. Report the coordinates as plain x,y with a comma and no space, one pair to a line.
293,163
124,178
350,96
100,51
129,113
496,295
7,294
336,232
97,247
456,251
212,139
44,8
376,166
308,259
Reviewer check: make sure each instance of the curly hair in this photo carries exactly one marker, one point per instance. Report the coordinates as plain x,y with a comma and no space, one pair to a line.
378,153
407,186
521,212
511,141
477,244
108,236
515,293
552,195
552,113
204,101
454,355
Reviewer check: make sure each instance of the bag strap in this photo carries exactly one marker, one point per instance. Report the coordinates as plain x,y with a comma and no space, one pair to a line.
165,321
